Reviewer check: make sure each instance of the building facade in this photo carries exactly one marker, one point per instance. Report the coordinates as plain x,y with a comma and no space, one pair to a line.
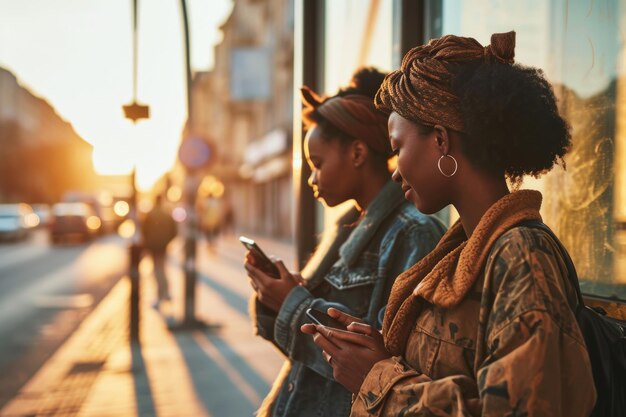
244,107
42,156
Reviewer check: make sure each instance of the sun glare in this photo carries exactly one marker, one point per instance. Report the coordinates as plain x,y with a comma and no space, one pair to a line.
127,229
121,208
95,79
150,146
108,161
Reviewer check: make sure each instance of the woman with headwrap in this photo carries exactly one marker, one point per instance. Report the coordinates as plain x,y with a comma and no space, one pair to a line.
484,324
347,148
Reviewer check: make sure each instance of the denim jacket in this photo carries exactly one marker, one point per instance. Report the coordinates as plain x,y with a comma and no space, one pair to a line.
355,275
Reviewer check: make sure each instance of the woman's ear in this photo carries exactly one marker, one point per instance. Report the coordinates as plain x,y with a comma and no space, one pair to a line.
359,153
442,139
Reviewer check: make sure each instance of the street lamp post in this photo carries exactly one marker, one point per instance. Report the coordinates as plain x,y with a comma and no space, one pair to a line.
134,112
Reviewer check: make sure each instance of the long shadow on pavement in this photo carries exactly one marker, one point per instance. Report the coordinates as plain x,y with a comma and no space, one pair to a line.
143,391
256,381
225,384
236,300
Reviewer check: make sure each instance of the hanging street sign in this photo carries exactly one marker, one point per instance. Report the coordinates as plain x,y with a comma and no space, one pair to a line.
136,111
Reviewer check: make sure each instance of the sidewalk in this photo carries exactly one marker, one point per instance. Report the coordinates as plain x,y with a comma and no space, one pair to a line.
221,371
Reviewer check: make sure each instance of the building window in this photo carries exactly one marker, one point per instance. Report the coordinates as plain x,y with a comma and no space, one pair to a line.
579,45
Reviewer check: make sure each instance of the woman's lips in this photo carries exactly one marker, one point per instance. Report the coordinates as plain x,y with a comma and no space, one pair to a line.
407,191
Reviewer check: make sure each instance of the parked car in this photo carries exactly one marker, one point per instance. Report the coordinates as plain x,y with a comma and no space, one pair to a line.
100,203
73,221
16,220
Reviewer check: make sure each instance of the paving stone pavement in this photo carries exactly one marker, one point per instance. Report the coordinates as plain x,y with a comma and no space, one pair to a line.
220,371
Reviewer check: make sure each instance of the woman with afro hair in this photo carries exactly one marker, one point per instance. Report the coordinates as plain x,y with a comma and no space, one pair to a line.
484,324
347,148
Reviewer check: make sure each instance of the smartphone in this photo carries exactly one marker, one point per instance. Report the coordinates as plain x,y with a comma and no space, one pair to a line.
324,319
262,261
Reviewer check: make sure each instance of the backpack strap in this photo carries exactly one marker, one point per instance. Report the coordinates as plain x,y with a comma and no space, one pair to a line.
571,269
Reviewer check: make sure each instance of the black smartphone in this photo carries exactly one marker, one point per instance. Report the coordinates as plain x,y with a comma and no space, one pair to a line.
324,319
263,262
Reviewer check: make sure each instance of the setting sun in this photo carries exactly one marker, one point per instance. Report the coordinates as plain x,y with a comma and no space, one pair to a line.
150,146
91,41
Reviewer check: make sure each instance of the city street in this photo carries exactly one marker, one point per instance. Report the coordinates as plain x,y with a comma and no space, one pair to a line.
68,362
140,141
45,292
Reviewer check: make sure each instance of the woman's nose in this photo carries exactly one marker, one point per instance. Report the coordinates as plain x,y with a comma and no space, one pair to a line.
312,179
396,177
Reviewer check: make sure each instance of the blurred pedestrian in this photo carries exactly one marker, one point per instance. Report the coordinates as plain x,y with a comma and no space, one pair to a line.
158,230
211,218
347,148
485,324
228,215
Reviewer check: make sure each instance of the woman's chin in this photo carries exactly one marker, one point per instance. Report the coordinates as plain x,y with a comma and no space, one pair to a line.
426,208
328,202
420,204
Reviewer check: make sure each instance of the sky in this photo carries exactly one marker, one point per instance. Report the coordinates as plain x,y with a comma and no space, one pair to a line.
77,54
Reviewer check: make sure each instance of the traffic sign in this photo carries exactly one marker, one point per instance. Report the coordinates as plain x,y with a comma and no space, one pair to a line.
195,152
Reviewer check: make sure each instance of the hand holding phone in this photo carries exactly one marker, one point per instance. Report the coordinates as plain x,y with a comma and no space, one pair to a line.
357,350
262,261
324,319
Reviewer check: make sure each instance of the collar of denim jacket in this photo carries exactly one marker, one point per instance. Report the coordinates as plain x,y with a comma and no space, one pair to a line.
327,252
387,200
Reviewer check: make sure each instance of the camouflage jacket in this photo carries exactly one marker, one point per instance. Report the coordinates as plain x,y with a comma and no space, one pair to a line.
511,347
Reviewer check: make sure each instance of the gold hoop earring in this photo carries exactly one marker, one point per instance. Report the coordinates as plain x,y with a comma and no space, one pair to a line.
456,166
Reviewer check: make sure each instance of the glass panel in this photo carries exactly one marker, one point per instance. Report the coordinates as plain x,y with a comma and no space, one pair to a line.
357,33
579,46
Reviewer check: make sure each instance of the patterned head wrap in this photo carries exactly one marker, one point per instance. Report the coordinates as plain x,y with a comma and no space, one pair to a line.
421,90
354,114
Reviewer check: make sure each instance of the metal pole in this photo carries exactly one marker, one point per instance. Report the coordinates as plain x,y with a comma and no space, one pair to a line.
183,6
134,247
309,57
135,37
190,197
134,255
